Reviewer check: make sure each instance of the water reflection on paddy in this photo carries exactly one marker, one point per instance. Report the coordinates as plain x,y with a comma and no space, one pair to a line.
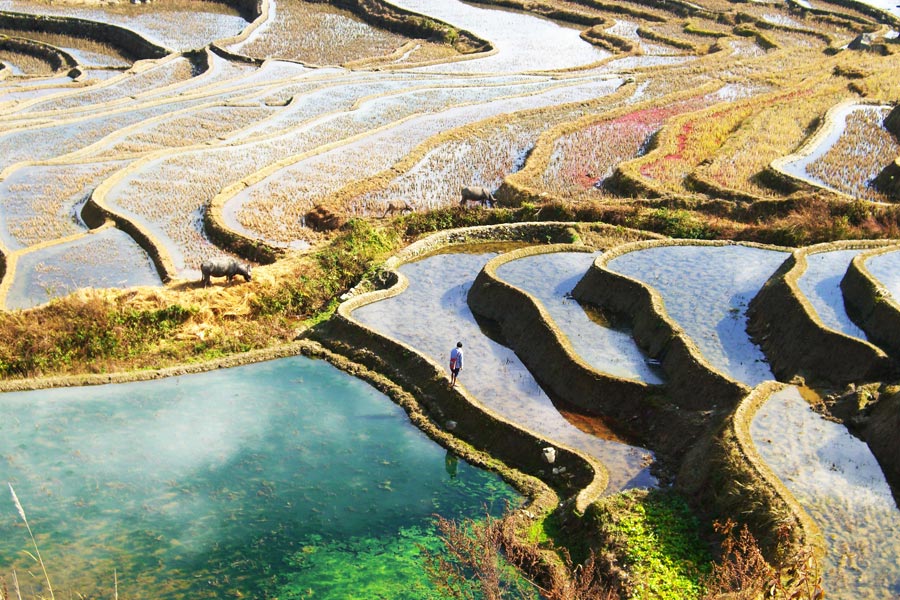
550,278
837,480
821,284
886,269
260,481
106,259
706,290
432,315
523,42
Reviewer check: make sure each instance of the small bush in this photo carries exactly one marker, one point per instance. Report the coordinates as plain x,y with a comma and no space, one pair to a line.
677,224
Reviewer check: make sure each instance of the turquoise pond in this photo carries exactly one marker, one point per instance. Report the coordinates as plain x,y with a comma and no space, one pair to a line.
284,479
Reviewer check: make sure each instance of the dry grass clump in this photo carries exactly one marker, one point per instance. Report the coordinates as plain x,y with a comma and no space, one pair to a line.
111,55
321,34
813,219
743,573
28,64
858,156
485,559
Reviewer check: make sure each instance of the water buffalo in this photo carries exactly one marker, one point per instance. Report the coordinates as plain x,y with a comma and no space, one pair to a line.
397,206
476,194
223,267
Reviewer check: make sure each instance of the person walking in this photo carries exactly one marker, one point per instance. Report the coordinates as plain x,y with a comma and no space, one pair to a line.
456,363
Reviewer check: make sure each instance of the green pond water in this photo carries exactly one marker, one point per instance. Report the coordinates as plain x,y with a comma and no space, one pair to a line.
284,479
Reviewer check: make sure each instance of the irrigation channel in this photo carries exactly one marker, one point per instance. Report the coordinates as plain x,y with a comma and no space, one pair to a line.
276,479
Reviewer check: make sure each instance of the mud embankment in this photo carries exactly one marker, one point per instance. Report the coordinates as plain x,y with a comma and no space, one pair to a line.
727,478
693,383
870,305
796,342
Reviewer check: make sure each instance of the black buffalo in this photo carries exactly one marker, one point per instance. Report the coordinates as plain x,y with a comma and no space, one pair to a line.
476,193
223,267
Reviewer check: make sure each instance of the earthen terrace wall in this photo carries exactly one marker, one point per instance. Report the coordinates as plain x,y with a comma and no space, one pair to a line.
452,408
729,479
796,342
870,305
544,349
693,383
56,58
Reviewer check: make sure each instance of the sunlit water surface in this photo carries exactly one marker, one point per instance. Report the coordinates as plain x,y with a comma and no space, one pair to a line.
886,269
433,314
706,290
840,484
550,278
821,284
278,479
107,259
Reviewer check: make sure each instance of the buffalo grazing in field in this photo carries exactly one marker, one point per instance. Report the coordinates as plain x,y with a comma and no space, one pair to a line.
398,207
223,267
476,193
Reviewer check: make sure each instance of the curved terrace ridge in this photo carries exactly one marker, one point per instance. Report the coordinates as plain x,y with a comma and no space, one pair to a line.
870,304
656,332
795,339
454,408
544,348
784,168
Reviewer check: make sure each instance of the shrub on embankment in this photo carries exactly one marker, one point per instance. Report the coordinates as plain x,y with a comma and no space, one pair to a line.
110,330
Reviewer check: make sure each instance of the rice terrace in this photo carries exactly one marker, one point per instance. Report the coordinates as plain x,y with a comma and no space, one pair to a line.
240,238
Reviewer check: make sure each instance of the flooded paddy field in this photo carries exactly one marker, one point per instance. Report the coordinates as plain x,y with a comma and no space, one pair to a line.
850,152
821,284
161,23
295,136
432,314
886,269
550,279
706,290
275,480
104,259
42,202
279,478
840,484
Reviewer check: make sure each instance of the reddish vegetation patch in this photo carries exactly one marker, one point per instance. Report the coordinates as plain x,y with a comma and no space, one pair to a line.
587,157
700,137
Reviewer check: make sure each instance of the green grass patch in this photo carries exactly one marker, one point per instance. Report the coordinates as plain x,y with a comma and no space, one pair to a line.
656,537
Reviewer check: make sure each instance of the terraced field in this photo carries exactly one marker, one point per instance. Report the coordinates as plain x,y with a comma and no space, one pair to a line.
556,118
138,141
